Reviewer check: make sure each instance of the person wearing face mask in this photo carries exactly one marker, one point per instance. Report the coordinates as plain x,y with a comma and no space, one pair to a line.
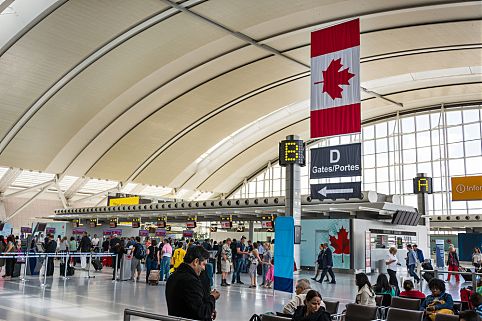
185,294
312,309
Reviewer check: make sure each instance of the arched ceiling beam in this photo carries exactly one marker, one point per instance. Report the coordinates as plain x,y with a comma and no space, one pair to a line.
75,71
8,178
34,108
237,100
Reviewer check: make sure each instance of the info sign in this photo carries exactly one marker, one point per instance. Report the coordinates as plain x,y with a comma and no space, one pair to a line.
336,161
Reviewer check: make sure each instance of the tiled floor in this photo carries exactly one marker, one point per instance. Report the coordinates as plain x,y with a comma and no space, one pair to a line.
99,298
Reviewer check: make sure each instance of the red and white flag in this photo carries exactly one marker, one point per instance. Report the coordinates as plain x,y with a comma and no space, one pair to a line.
335,80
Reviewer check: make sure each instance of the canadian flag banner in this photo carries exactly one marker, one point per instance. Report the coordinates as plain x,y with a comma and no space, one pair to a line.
335,80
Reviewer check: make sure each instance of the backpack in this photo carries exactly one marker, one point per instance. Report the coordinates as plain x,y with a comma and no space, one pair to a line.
139,252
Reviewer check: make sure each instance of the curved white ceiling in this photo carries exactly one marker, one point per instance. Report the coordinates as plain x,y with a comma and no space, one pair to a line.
138,92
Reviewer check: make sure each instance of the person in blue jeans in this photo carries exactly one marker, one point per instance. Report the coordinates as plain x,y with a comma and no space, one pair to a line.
240,251
412,262
165,260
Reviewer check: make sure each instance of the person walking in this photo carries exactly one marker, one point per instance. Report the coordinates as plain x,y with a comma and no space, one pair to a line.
319,264
266,261
476,259
165,260
453,263
185,294
391,263
226,258
3,247
327,264
411,262
420,258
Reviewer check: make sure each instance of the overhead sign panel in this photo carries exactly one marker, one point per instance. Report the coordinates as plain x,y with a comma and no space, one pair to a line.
336,161
336,190
467,188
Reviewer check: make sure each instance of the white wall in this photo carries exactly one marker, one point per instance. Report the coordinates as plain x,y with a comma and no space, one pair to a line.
31,214
359,228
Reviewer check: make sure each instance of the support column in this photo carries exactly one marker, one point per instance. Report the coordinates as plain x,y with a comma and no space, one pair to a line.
293,198
423,209
251,231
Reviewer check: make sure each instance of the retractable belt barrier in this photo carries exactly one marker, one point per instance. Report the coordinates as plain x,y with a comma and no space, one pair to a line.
437,272
24,256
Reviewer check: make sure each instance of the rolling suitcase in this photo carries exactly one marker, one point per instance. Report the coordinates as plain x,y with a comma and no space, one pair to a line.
16,270
427,276
154,277
70,269
97,264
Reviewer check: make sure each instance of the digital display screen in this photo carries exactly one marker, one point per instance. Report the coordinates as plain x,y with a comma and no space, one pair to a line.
25,229
213,229
267,224
226,224
113,224
93,224
161,224
188,234
50,230
41,227
136,224
291,152
160,232
191,224
78,230
143,233
422,185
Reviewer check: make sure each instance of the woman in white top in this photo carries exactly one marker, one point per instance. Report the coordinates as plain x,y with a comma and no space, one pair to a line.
391,263
476,258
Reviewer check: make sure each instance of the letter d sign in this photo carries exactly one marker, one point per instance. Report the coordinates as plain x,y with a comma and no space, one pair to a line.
334,156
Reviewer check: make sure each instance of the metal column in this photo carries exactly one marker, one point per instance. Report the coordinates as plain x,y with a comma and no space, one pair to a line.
423,208
293,197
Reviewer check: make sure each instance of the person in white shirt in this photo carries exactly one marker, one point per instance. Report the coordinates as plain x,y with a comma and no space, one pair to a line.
302,288
95,243
392,267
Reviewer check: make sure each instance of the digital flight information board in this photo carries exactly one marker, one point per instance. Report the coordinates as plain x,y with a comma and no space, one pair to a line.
292,152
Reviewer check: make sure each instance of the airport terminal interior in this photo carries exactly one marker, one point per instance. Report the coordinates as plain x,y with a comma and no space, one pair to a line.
294,159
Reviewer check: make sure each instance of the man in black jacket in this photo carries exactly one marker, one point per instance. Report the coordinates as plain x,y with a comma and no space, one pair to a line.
85,246
50,248
185,294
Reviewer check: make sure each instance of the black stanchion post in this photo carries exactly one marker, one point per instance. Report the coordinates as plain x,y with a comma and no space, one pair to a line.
115,267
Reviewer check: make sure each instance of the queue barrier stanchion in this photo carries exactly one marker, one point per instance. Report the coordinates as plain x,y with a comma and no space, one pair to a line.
24,275
115,267
46,263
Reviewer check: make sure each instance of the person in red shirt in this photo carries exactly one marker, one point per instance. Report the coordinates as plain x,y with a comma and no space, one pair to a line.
410,292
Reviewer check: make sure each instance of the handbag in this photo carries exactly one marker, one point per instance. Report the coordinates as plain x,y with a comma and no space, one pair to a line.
255,317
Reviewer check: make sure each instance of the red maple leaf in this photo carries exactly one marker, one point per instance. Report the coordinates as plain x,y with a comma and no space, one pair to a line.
341,244
334,77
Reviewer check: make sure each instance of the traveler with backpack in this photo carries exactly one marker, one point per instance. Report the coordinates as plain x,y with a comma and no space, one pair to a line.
138,253
165,259
151,259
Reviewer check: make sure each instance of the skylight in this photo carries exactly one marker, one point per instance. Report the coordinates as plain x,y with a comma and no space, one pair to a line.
94,186
66,182
31,178
3,170
156,191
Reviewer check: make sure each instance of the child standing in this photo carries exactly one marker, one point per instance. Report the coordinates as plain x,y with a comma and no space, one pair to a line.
270,275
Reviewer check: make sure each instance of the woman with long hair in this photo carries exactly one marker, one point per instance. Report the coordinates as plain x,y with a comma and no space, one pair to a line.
383,286
453,263
365,295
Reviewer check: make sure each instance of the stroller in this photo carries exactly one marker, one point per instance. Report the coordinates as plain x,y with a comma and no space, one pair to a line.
427,276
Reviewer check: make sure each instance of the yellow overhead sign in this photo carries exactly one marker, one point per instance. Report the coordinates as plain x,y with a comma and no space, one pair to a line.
467,188
134,200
